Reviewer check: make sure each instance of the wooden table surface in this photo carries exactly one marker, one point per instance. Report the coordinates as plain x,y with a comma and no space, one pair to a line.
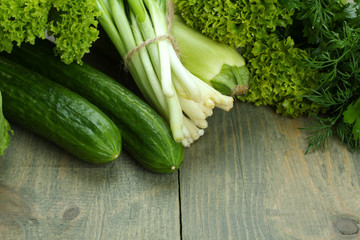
246,178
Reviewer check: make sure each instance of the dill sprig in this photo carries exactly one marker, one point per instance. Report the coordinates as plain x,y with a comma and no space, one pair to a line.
331,30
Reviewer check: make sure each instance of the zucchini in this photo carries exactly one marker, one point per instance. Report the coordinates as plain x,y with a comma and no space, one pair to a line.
58,114
146,135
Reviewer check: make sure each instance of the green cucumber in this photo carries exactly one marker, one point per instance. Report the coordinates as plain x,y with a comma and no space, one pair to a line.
146,135
58,114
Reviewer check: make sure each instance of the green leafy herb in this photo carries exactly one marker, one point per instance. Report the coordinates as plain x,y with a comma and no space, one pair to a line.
236,23
4,130
320,132
331,35
72,23
277,78
352,116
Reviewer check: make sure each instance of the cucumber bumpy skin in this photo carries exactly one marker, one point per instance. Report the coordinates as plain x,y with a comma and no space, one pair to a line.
146,135
58,114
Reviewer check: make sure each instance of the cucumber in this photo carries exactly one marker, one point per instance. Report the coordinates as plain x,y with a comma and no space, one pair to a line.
146,135
58,114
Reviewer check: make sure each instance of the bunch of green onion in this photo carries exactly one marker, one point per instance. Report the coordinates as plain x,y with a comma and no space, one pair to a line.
140,31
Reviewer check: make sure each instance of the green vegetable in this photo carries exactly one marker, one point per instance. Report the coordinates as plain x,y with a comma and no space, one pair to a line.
72,23
216,64
146,136
54,112
184,100
278,79
302,55
236,23
352,116
4,130
330,32
258,27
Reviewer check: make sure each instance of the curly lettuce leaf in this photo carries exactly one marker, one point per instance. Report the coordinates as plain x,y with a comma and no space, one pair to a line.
277,79
22,21
74,26
236,23
4,130
72,23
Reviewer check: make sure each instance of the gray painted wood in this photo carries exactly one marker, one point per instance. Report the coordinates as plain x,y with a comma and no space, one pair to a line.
45,193
248,178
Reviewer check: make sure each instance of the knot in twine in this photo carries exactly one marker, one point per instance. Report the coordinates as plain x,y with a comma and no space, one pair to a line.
169,19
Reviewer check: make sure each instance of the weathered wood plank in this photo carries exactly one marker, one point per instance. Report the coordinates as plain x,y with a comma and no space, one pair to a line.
45,193
256,183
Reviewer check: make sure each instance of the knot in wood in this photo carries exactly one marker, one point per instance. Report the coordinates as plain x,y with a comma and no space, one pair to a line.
71,213
347,227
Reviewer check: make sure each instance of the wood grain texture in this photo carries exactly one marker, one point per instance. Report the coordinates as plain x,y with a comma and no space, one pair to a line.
45,193
248,178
